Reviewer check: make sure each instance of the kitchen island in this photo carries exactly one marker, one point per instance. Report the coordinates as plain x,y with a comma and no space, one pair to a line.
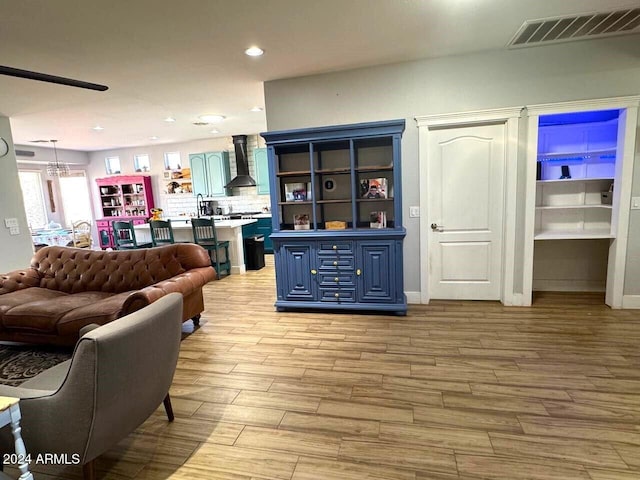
230,230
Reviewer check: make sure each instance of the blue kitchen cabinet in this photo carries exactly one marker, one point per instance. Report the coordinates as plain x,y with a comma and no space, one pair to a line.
210,173
262,171
335,244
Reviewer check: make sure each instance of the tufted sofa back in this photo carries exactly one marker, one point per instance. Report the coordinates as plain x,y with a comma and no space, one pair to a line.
73,270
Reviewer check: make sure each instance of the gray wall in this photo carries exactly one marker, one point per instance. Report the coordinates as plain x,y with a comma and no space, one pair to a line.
572,71
15,250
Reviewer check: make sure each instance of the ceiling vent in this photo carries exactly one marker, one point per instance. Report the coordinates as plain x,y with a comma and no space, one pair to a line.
25,153
577,27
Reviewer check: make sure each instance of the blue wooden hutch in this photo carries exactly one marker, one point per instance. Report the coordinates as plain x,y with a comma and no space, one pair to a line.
337,217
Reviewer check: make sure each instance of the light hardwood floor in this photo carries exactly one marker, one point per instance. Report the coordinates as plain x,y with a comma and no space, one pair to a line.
455,390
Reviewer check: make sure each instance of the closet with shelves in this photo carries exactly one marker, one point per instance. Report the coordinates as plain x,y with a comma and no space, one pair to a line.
574,212
337,216
576,171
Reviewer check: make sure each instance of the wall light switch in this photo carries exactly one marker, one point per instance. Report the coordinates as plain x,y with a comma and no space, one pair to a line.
10,222
14,230
635,203
414,212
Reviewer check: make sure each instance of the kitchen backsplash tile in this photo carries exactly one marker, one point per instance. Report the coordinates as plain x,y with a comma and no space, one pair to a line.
185,204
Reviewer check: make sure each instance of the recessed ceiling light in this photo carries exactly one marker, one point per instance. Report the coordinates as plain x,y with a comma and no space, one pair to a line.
215,131
169,119
254,51
257,109
211,118
153,138
98,128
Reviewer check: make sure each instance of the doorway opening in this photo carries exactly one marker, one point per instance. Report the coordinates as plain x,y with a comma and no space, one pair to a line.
76,200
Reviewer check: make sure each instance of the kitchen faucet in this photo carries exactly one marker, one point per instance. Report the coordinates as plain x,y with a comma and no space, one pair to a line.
199,203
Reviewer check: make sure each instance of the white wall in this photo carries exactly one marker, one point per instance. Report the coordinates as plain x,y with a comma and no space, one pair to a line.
16,250
509,78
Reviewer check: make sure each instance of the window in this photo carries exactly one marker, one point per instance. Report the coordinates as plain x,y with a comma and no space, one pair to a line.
33,199
113,165
74,191
172,161
141,162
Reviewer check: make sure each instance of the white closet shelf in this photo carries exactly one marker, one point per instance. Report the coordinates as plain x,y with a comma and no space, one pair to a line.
583,154
565,180
572,207
573,234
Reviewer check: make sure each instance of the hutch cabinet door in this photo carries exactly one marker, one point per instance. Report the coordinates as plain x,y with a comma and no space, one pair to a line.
198,174
262,170
377,280
297,281
217,166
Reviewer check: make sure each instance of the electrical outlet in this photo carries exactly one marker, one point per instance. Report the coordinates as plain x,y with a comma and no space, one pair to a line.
414,212
635,203
10,222
14,230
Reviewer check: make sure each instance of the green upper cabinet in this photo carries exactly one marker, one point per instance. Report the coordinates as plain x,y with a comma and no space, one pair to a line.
210,173
262,170
198,173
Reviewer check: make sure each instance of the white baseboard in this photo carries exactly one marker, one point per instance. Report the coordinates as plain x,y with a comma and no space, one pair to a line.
568,286
631,301
517,300
413,297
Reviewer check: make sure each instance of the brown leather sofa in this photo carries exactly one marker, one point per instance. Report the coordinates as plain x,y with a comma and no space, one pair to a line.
66,289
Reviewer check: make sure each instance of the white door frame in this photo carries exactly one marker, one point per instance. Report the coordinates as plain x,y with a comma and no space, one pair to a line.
622,191
510,118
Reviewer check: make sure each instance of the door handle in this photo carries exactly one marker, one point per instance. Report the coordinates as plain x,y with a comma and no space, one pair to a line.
437,228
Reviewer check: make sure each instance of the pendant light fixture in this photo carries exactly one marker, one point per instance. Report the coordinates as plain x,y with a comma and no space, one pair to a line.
57,168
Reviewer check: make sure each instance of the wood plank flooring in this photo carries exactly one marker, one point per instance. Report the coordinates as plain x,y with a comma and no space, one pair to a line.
454,390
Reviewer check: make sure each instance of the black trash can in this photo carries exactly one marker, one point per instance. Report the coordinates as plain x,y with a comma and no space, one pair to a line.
254,252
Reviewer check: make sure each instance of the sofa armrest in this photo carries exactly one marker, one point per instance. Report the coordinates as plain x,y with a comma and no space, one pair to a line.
19,279
185,283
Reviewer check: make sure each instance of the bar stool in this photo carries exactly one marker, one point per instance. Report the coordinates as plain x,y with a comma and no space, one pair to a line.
124,236
161,232
204,234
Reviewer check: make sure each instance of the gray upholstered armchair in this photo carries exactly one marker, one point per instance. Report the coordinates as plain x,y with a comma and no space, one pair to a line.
118,375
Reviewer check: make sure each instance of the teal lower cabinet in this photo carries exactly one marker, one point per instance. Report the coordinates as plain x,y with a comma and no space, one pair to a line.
249,230
344,270
263,227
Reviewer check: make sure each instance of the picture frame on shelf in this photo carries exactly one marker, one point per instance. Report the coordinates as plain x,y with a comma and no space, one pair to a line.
301,222
373,188
295,192
378,219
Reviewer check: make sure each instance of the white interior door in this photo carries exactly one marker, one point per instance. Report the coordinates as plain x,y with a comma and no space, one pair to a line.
466,170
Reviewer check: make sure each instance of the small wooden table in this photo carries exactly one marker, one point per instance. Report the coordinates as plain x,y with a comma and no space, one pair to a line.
10,415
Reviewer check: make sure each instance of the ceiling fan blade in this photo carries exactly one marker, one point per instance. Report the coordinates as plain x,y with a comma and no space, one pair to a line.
43,77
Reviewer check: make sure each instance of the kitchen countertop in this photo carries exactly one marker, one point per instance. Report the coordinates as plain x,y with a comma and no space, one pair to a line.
185,222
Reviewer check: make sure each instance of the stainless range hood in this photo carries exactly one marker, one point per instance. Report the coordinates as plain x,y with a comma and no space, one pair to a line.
242,179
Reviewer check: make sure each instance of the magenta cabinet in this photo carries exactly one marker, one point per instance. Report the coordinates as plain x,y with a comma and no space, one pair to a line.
122,197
